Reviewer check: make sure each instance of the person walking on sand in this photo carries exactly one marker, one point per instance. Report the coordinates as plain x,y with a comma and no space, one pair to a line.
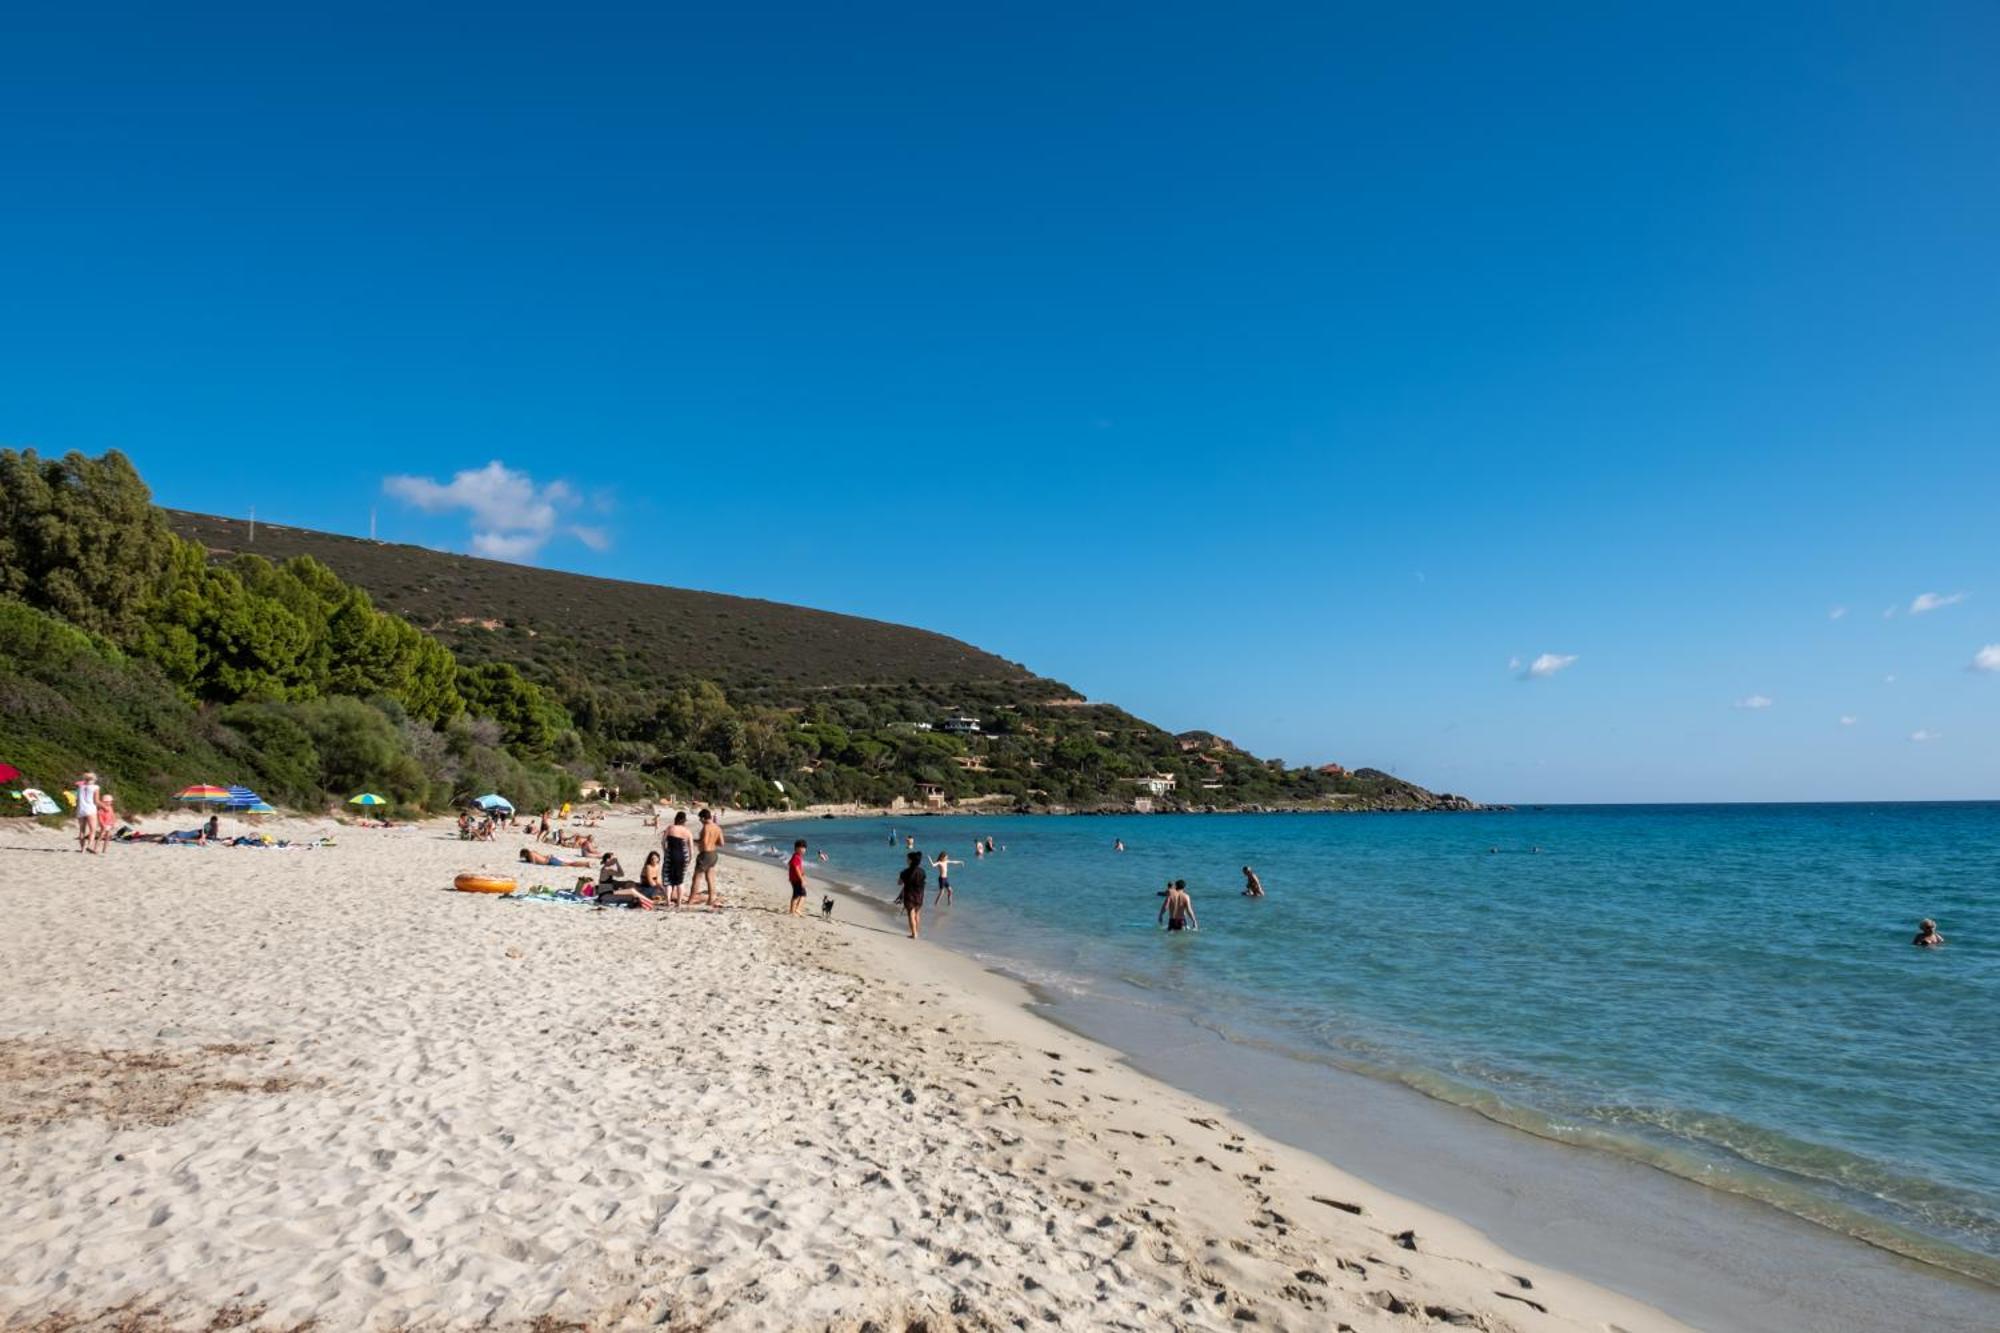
911,882
1252,886
705,859
1178,910
678,844
795,871
86,812
943,865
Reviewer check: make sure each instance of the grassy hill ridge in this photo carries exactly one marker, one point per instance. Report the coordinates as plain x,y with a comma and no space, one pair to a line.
743,644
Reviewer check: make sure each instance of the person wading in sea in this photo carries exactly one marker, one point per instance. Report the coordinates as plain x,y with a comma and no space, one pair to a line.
1178,909
1252,886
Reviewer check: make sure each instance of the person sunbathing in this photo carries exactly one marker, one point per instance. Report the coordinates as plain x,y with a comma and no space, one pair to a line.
533,857
614,890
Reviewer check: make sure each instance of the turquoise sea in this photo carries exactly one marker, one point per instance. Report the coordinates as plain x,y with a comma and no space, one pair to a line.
1726,992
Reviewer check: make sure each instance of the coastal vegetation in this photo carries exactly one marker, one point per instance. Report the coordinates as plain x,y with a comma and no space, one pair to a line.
164,647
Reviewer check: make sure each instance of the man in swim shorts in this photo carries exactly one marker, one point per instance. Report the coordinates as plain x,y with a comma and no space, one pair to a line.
1178,909
705,859
943,866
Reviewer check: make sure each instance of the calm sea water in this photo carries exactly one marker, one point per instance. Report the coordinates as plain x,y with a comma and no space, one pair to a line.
1727,992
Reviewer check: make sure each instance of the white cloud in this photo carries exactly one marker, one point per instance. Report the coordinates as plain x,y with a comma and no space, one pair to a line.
1888,613
1931,601
512,516
1987,658
1837,613
1756,701
1544,666
1920,736
1848,719
1889,680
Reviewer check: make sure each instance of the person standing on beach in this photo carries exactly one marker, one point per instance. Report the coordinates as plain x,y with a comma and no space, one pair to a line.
678,844
705,859
943,864
1178,910
795,870
86,813
1252,886
911,882
107,820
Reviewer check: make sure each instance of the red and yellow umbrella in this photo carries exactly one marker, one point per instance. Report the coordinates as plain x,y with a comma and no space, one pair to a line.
203,795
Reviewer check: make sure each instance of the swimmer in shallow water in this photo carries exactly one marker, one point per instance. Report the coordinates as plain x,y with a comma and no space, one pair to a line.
1252,886
1927,935
1178,909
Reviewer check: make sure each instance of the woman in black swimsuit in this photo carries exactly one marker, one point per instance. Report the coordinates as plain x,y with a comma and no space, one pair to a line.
677,842
911,882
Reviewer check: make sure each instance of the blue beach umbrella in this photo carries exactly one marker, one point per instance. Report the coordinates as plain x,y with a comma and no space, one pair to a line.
494,801
260,808
366,798
242,797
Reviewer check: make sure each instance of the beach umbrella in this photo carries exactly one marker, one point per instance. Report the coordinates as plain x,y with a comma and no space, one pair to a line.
366,798
261,808
241,796
494,801
203,795
9,773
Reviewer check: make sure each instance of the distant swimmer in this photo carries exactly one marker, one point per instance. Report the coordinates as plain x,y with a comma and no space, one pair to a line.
1927,935
910,842
989,844
1178,910
1252,886
1118,844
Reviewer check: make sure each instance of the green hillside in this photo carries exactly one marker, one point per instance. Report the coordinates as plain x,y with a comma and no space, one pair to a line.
167,647
489,610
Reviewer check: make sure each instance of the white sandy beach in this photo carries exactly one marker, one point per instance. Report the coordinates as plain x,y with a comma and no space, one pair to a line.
281,1089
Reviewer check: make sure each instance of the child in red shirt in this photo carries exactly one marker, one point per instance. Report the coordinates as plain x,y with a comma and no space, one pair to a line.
796,869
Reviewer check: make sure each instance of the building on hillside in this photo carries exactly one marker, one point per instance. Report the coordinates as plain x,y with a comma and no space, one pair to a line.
971,763
1332,771
1157,784
1142,805
958,724
933,795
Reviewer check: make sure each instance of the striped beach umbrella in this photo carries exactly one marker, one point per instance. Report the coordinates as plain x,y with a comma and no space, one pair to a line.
366,798
261,808
242,796
203,795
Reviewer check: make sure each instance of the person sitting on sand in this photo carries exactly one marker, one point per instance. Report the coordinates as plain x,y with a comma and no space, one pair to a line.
614,890
533,857
911,895
1252,886
1927,935
1178,909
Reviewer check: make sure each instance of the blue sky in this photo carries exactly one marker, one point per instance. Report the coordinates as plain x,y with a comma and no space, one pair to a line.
1284,370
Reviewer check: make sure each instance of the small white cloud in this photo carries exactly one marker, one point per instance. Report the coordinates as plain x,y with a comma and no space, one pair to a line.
512,516
1987,658
1920,736
1888,613
1931,601
1889,679
1837,613
1755,701
1544,666
1848,719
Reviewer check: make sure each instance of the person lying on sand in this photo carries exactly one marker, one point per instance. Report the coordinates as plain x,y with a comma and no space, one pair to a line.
1927,935
533,857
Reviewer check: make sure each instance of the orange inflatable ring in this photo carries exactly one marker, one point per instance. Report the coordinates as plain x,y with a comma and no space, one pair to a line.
470,883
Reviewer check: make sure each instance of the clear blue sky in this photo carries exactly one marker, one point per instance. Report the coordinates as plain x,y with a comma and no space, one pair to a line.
1287,371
